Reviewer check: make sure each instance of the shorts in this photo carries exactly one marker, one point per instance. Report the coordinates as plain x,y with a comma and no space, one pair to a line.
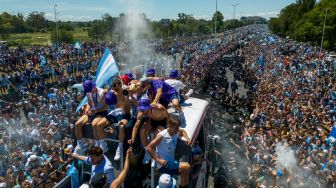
170,168
102,114
115,119
155,123
172,97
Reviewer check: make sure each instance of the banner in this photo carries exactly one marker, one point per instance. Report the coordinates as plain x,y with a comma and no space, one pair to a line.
107,68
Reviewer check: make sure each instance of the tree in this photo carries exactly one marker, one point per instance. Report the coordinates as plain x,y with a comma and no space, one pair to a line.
97,30
36,20
110,23
218,16
64,36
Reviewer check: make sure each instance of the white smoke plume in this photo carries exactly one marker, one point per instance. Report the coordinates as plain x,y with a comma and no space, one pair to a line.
286,156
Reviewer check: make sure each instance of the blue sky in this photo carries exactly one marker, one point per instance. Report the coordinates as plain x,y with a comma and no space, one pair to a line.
84,10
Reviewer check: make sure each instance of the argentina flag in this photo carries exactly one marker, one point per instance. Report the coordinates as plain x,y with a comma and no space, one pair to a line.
107,68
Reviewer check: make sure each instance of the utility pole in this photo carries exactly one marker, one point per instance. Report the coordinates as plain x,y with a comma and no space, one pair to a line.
325,19
234,12
56,26
216,20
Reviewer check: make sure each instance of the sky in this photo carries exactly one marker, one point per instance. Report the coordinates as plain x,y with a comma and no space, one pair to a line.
86,10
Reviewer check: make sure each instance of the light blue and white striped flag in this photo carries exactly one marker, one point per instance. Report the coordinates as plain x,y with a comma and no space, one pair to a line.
107,68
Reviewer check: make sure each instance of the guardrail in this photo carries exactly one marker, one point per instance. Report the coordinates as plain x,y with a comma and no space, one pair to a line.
64,183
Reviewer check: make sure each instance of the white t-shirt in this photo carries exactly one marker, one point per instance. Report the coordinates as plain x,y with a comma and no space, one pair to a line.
176,84
96,98
166,148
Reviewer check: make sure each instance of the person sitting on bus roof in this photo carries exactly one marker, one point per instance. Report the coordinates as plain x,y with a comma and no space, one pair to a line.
100,163
98,110
177,85
152,117
165,144
120,115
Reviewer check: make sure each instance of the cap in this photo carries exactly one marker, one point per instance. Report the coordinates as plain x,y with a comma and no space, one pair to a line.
126,80
32,157
166,181
88,85
150,71
144,105
130,75
173,73
110,98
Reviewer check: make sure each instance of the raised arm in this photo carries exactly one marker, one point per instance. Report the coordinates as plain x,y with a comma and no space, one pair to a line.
122,176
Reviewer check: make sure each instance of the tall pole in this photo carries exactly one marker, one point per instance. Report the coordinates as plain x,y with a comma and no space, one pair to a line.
325,19
56,32
216,20
234,12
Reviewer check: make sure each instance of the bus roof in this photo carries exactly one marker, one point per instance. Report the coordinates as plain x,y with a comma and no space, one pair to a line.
194,112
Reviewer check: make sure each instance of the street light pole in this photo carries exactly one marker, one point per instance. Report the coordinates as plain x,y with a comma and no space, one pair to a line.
234,12
56,29
325,19
216,20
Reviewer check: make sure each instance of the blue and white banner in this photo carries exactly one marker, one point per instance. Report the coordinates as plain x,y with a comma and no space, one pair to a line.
261,63
107,68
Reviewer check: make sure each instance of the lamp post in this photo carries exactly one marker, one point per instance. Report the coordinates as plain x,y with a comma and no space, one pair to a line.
216,20
325,19
234,12
56,25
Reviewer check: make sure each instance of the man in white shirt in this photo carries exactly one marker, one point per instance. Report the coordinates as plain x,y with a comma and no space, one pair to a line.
165,144
97,111
177,85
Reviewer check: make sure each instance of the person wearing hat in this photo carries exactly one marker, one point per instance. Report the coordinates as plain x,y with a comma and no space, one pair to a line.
99,162
97,110
166,181
150,72
151,117
165,145
120,115
177,84
161,92
33,162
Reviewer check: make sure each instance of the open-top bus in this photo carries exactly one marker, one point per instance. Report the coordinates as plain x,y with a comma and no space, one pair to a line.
197,127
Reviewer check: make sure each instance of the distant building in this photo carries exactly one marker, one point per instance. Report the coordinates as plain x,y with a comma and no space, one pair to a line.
165,22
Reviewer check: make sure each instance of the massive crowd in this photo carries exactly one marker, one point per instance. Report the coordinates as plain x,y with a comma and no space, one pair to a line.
37,130
291,100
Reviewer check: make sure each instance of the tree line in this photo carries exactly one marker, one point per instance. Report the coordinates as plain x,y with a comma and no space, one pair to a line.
111,28
304,20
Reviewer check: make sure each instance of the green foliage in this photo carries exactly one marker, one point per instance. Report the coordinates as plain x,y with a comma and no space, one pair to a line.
303,21
64,36
98,30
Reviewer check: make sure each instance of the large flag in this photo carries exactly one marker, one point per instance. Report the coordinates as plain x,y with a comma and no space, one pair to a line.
107,68
332,134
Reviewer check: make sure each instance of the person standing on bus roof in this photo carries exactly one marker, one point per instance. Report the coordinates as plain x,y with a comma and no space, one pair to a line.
153,117
165,144
100,163
177,85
